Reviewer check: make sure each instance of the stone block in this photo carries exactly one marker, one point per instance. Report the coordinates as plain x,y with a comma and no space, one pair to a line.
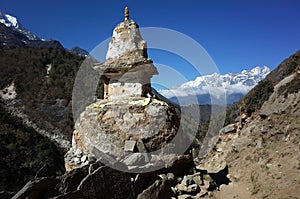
129,145
124,90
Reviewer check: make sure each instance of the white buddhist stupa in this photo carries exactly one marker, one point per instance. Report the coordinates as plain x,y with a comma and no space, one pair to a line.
127,70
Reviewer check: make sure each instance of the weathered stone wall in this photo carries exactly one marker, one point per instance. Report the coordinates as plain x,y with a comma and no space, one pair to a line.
284,103
119,91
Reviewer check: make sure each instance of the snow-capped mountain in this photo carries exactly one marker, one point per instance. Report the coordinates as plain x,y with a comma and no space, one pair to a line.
216,87
13,34
13,23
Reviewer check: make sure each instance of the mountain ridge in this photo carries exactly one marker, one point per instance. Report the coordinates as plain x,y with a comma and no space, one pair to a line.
79,51
12,22
13,34
231,85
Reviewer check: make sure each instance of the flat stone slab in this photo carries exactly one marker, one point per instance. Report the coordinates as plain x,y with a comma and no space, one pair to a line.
129,145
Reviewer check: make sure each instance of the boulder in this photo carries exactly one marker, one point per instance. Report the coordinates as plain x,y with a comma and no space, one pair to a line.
228,129
104,128
135,159
160,189
37,188
105,182
143,181
181,165
71,180
45,171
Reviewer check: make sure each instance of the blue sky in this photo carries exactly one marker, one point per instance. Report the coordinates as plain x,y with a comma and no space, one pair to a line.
237,34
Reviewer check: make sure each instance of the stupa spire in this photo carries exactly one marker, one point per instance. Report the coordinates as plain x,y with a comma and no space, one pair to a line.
126,13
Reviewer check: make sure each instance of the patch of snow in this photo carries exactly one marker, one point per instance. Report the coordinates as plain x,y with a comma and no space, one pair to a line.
4,22
48,69
9,92
12,20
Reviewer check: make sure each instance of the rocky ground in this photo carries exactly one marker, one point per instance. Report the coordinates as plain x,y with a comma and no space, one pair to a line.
262,151
260,160
263,158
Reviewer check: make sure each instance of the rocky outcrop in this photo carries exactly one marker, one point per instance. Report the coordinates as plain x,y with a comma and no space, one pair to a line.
90,182
179,179
107,129
103,182
229,128
97,184
36,188
160,189
285,98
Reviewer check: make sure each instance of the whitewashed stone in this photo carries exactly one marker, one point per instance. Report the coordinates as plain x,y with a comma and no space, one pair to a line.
119,91
126,38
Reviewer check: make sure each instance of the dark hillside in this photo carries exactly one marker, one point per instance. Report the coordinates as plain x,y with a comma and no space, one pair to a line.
46,97
285,68
23,152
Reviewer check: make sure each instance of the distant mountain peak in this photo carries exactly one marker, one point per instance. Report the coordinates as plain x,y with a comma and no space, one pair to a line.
79,51
234,84
13,34
13,23
246,77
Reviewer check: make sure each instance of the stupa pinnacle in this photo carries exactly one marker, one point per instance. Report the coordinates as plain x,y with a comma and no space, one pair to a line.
126,13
